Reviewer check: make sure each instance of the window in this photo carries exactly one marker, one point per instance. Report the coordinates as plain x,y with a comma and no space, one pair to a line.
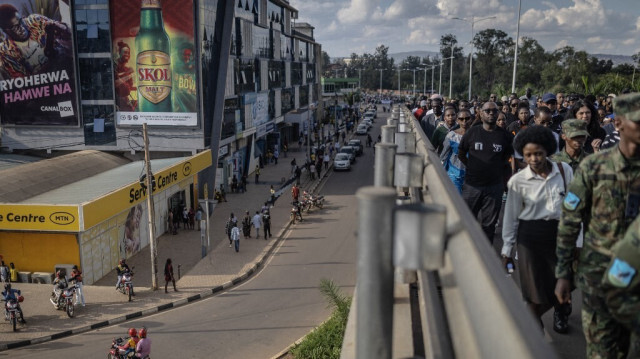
303,91
296,73
99,126
92,29
231,117
287,100
96,79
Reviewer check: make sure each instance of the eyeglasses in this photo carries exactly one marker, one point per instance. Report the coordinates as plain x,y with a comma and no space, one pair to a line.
490,110
514,105
464,118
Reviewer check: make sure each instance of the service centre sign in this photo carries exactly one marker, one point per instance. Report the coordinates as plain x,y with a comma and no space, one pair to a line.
39,217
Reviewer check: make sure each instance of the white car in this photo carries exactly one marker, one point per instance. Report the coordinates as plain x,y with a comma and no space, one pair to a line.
367,122
341,162
369,115
350,151
362,129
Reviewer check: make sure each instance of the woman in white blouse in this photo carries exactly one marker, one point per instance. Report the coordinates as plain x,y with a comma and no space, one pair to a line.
531,215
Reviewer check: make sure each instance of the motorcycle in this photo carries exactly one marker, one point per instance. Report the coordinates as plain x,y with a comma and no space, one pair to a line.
65,302
12,311
117,353
126,284
296,212
317,201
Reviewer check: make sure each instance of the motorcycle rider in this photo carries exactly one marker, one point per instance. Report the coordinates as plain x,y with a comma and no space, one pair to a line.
59,284
76,277
143,348
10,294
122,268
130,345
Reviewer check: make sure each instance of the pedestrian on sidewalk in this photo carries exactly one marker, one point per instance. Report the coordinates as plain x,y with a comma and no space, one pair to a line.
325,160
300,139
168,275
257,172
76,276
256,221
266,222
246,225
243,187
265,208
276,154
295,192
199,216
272,192
298,174
312,171
185,218
319,166
293,166
234,184
229,226
176,220
235,237
192,218
285,148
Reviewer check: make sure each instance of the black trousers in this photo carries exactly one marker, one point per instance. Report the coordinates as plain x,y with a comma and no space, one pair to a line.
484,202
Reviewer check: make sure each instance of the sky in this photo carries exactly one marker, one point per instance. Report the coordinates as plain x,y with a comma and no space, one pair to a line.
344,27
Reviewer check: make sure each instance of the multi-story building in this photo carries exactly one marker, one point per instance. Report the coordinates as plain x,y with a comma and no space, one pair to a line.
237,77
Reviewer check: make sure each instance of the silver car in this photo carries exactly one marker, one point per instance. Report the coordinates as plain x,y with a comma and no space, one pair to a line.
351,151
342,162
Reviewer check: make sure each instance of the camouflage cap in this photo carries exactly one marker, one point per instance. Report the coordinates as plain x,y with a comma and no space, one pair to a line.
628,106
574,128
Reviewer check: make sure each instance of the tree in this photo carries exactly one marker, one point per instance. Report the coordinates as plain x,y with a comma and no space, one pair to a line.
326,61
447,43
531,61
492,64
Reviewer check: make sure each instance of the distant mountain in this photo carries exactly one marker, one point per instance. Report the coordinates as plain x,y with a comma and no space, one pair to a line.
616,59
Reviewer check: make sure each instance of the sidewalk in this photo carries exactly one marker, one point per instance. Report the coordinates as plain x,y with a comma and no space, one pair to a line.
199,277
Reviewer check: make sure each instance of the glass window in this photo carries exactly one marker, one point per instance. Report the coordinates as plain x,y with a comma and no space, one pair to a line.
92,29
296,73
96,79
99,126
260,42
303,91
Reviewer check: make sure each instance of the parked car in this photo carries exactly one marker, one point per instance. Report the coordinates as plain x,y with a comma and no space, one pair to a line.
362,129
357,144
350,151
342,162
367,122
369,115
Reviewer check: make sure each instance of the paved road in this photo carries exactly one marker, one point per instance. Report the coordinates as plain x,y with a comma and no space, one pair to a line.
267,313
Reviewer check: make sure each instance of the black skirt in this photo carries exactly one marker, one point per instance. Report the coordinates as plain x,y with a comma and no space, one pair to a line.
537,260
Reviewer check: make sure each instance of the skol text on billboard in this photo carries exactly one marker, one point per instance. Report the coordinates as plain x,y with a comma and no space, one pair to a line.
37,67
155,67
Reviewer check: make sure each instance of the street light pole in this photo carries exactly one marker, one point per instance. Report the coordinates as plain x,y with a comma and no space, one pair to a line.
451,74
359,78
398,80
380,81
433,67
424,84
440,80
515,55
414,83
472,22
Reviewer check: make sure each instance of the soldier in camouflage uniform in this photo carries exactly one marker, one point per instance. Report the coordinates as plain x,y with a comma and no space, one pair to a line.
604,195
574,133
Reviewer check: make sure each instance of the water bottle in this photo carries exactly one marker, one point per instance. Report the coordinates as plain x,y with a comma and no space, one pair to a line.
509,268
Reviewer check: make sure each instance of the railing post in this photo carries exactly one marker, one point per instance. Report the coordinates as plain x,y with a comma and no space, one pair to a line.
387,134
406,141
384,163
374,299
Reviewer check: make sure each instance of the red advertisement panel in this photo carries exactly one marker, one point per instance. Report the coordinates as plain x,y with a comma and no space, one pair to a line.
155,68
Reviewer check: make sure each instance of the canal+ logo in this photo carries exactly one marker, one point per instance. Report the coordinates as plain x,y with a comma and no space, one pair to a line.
186,168
62,218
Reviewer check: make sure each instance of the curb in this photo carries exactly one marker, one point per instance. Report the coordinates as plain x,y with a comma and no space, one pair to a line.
175,304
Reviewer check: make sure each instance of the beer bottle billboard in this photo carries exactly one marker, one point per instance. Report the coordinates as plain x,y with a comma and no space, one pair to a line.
154,66
153,62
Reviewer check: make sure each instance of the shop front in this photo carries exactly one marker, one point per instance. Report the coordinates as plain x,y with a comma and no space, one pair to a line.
100,230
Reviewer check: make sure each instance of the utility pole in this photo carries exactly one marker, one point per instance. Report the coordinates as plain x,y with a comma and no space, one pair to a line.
380,81
451,73
440,81
433,67
398,80
152,212
359,78
424,84
515,55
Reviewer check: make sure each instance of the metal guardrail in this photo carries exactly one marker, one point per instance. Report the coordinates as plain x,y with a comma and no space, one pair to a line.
413,218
